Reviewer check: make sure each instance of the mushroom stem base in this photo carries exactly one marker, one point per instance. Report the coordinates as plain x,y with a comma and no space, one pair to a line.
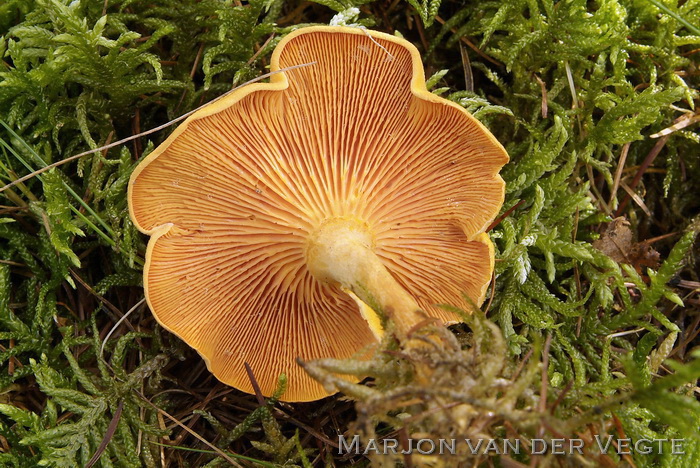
341,252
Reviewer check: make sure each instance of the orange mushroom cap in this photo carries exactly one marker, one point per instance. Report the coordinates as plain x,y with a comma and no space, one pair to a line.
352,149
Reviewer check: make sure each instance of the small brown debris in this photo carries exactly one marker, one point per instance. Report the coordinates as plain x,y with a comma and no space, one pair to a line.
617,242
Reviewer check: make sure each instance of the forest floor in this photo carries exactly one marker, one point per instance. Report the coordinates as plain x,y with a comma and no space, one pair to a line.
591,323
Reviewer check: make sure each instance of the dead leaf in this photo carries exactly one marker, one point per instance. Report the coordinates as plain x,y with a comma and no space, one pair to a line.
617,242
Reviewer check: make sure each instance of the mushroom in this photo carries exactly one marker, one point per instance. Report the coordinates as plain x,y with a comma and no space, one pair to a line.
291,218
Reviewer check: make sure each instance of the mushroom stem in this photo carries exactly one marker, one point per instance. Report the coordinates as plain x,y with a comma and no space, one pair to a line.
340,251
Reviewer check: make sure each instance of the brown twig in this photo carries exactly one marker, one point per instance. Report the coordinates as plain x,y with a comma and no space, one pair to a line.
254,383
653,240
136,126
621,434
466,64
545,379
522,363
561,396
631,194
111,429
104,301
471,44
642,169
216,449
405,445
603,206
618,172
544,383
309,429
421,32
543,90
493,292
577,274
498,220
193,70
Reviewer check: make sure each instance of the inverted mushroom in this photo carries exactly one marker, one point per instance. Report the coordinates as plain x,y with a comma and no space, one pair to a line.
278,212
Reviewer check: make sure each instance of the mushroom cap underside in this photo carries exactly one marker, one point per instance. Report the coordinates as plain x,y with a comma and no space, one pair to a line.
231,198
